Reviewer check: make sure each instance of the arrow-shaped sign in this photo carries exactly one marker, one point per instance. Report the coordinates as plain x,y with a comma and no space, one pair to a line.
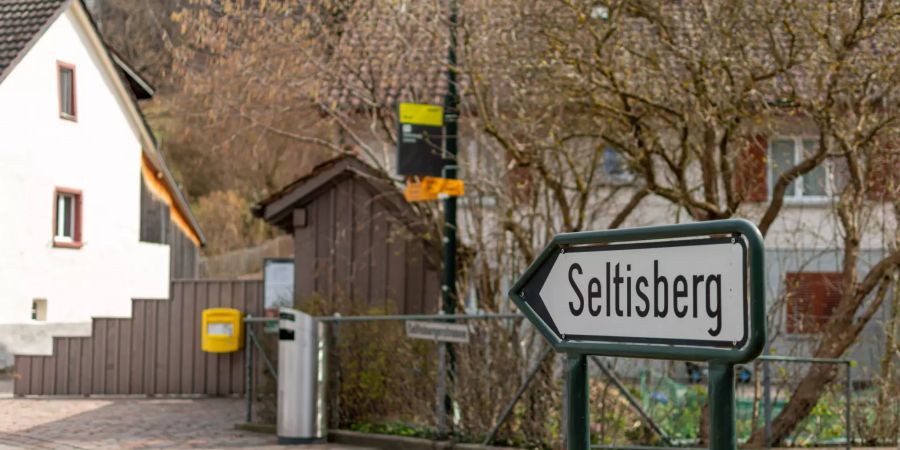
612,292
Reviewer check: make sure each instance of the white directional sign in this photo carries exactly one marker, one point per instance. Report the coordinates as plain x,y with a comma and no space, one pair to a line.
680,292
690,291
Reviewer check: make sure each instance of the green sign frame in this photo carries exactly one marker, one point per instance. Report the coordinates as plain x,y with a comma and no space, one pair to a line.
737,228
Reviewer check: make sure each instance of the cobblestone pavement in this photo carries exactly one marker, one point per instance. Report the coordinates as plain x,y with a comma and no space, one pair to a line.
130,424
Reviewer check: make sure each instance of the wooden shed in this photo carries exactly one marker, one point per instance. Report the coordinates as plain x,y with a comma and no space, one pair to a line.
356,239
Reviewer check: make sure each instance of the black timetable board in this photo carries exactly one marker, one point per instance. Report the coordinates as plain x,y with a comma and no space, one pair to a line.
419,146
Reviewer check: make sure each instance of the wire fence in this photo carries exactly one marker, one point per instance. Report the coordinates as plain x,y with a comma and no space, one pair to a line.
380,380
831,423
505,387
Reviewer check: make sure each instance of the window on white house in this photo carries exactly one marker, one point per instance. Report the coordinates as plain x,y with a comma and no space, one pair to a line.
67,109
67,218
787,152
615,166
39,309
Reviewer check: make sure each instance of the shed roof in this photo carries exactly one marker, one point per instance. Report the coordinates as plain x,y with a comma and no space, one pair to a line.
277,209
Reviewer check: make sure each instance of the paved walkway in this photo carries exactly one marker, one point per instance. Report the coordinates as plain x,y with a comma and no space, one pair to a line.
130,424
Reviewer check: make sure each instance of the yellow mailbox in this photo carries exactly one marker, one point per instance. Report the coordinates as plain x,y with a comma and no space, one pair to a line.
222,331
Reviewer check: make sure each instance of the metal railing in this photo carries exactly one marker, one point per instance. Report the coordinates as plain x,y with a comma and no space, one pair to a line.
767,391
441,385
252,343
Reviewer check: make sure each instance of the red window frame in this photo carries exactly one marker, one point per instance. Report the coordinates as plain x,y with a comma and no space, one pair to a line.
811,299
60,65
77,228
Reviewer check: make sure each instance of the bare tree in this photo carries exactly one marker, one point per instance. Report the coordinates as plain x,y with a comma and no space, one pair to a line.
555,94
686,92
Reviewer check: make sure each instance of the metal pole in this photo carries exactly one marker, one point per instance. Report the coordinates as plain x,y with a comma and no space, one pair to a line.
420,317
441,409
564,402
721,406
262,352
451,117
633,401
509,406
803,359
248,382
767,404
578,417
336,385
849,393
322,379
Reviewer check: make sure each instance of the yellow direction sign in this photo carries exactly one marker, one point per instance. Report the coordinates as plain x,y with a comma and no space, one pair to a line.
447,186
432,188
415,192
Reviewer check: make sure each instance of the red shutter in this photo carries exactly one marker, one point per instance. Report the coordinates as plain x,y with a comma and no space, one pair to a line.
882,180
811,298
830,288
750,174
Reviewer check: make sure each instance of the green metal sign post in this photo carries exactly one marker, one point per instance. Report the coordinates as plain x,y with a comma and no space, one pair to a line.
721,406
692,292
578,415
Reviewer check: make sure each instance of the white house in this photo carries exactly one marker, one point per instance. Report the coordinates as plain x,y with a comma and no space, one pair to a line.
92,216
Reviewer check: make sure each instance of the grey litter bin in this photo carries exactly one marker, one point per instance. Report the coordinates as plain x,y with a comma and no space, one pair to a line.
298,364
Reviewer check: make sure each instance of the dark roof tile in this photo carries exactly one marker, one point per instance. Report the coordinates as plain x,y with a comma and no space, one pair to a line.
388,55
20,21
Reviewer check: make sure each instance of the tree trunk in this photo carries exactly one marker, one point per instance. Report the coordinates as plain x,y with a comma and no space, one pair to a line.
757,389
840,333
703,426
884,421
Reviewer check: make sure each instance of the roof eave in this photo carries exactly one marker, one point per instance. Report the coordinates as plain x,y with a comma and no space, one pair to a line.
147,90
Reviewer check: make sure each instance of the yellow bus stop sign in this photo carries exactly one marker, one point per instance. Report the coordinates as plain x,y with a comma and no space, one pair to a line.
420,139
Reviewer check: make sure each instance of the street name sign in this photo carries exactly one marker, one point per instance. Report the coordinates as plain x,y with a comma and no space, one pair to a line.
688,292
692,292
683,292
437,331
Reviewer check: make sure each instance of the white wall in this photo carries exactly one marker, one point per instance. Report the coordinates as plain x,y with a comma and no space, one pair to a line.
100,154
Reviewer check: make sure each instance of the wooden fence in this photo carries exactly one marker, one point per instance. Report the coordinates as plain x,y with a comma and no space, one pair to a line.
156,351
